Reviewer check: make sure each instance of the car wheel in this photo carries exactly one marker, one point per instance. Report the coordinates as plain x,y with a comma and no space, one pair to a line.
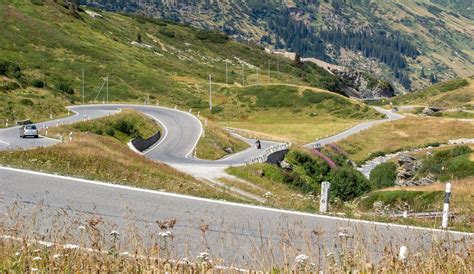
36,136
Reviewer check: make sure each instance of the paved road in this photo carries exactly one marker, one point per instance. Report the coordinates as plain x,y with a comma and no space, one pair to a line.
236,232
181,134
391,116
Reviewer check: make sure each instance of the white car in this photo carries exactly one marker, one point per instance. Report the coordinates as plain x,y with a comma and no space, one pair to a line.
28,130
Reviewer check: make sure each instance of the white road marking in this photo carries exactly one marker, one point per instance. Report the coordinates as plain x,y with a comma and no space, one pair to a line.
231,203
7,144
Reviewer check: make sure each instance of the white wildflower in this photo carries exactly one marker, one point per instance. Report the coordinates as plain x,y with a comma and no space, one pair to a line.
34,269
301,260
57,256
70,246
81,227
183,262
37,258
165,235
203,257
114,233
17,253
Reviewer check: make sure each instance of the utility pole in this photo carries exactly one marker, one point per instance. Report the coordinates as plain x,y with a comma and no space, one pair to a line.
210,92
107,88
268,70
83,86
226,74
44,70
257,76
243,75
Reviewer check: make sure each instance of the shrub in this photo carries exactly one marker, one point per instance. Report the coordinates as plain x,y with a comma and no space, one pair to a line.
37,83
110,131
216,109
37,2
383,175
26,102
10,69
167,33
457,168
348,183
64,87
212,36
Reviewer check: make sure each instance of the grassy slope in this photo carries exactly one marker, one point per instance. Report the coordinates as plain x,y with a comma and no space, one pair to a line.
215,142
408,132
174,72
451,94
123,126
291,113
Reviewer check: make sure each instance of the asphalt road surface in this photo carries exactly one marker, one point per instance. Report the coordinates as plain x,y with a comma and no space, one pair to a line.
235,232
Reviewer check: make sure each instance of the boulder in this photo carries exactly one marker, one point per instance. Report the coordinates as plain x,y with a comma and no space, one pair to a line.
285,165
228,150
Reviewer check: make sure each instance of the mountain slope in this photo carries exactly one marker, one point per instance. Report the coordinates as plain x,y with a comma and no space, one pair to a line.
149,60
413,43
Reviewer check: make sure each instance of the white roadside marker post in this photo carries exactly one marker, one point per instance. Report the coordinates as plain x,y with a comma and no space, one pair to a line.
323,203
402,256
447,197
70,136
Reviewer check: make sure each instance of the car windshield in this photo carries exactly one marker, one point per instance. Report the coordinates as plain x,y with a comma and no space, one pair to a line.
31,127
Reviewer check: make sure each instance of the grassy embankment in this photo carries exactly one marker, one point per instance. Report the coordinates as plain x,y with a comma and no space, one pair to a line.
98,152
451,94
217,143
410,132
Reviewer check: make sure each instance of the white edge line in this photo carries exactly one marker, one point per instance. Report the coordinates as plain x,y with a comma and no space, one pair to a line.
232,203
8,144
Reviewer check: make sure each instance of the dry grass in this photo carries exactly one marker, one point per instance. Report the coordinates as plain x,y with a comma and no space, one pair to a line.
462,199
215,142
85,243
405,133
107,159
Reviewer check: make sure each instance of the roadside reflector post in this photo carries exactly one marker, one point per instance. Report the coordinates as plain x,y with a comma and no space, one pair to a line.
51,116
190,110
85,117
323,203
57,123
6,123
402,255
175,106
198,114
46,133
70,136
447,197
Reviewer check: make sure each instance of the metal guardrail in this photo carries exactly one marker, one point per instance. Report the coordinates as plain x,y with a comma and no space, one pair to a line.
267,152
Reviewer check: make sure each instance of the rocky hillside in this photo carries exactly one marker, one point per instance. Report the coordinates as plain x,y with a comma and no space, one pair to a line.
410,43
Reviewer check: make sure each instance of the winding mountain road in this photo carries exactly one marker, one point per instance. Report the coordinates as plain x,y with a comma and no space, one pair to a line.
235,232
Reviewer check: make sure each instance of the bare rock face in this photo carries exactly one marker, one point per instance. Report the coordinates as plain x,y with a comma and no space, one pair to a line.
406,172
285,165
408,165
428,112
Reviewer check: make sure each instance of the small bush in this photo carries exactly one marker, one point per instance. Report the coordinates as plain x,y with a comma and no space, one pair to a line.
37,2
26,102
383,175
167,33
348,183
110,131
37,83
212,36
64,87
217,109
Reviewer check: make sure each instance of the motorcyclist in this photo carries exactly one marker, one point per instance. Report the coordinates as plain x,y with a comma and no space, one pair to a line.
258,144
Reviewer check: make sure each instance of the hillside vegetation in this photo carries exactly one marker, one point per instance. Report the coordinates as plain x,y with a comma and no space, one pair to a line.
451,94
46,47
416,42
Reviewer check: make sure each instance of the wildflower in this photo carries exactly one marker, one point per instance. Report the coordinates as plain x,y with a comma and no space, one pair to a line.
203,257
17,253
183,262
37,258
124,253
301,260
34,269
165,235
70,246
57,256
114,233
81,227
